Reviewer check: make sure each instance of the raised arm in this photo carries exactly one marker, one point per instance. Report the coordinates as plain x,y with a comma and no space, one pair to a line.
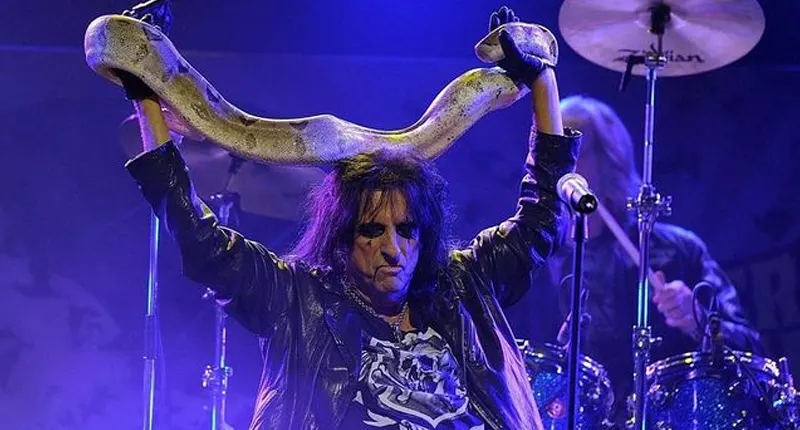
506,254
253,282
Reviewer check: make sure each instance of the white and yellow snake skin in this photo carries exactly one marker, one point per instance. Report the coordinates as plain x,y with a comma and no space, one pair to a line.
121,42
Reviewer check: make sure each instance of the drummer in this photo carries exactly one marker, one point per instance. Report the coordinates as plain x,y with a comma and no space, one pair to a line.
679,258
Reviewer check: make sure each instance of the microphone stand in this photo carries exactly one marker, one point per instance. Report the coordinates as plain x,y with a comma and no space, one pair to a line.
158,13
151,328
226,207
579,237
712,339
649,205
573,190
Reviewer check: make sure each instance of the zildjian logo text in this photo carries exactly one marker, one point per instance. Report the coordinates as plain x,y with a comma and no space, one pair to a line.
670,55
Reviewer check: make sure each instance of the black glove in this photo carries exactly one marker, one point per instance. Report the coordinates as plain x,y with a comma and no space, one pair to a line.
155,12
135,89
521,68
159,14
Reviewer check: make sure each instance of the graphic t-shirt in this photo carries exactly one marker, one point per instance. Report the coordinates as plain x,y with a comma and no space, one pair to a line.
412,384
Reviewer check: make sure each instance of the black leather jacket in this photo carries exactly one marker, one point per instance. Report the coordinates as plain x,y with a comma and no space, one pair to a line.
310,333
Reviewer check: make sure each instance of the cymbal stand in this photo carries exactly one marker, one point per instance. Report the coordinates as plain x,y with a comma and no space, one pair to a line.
226,207
649,205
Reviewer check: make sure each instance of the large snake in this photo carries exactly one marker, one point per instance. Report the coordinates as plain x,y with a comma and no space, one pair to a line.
141,48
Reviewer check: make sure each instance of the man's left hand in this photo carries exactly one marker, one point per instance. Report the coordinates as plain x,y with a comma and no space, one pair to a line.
521,68
674,301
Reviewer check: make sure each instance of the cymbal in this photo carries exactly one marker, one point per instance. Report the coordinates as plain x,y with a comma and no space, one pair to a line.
701,35
265,189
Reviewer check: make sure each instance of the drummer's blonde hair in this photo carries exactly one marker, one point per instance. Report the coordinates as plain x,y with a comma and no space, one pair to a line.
606,138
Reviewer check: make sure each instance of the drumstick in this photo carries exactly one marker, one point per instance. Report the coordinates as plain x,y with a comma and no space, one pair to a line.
626,243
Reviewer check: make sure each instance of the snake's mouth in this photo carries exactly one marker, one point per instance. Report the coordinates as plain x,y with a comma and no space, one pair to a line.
181,127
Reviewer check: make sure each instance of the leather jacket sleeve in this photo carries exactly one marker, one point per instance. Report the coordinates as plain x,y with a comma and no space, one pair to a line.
251,280
506,254
737,331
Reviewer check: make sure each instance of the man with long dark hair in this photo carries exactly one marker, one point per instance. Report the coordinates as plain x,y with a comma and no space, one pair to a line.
680,259
373,320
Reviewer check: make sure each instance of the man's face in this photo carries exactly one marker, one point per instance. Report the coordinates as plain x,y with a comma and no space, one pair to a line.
386,247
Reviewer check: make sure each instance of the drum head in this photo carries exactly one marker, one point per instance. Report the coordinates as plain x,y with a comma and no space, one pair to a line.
697,364
553,358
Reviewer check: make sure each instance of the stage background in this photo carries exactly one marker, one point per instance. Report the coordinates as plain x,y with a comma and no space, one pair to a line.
74,228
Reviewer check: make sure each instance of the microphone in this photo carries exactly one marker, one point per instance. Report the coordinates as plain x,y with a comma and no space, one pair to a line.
573,189
712,341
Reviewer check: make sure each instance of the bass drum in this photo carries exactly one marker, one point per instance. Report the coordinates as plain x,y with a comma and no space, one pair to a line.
730,390
547,366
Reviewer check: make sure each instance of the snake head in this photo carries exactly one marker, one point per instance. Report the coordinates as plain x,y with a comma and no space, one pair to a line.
155,12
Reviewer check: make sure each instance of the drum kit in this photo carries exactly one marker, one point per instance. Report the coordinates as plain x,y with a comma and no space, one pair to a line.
713,387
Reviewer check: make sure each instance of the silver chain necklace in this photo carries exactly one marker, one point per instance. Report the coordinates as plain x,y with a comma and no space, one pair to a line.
395,324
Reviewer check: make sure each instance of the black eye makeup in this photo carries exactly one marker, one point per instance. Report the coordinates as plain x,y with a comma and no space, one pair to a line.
371,229
408,230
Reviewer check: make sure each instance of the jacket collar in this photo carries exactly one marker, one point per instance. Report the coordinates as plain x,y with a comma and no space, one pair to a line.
344,323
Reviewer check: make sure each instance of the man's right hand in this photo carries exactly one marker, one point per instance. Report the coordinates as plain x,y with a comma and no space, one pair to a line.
152,123
135,89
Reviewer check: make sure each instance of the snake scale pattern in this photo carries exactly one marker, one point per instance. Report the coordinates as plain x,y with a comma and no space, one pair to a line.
141,48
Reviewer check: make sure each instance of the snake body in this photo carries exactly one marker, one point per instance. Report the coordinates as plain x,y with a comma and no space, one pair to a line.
122,42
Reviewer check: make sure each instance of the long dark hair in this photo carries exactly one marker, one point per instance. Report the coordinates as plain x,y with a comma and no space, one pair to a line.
332,213
607,138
